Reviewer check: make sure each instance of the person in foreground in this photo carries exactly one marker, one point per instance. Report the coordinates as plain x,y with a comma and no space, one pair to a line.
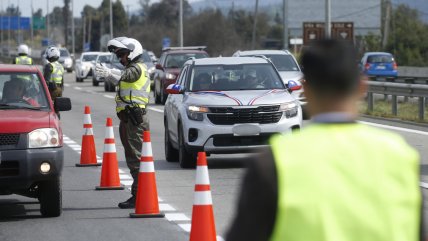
336,179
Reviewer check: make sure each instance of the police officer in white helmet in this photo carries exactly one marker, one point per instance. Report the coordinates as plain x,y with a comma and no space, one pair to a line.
23,58
131,101
53,72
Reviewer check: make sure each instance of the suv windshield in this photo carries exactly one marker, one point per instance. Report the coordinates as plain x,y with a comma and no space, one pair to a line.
22,90
177,60
380,59
89,57
145,57
64,53
234,77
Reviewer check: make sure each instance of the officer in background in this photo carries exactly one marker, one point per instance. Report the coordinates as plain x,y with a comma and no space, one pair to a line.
336,179
131,100
54,72
23,56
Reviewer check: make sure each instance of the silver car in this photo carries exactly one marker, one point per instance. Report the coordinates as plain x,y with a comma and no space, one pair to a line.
226,105
288,69
84,65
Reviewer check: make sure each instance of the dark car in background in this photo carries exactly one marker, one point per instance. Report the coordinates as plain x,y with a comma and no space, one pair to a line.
169,66
378,64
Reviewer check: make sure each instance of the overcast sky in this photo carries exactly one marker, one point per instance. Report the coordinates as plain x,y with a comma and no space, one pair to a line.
25,5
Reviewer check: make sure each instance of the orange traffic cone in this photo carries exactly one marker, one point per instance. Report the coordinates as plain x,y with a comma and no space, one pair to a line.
88,155
110,169
203,226
146,205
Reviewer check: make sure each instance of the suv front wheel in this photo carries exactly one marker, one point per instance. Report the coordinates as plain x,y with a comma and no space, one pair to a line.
185,158
170,152
50,197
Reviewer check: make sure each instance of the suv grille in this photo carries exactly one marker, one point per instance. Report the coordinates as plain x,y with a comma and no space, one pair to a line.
236,115
9,139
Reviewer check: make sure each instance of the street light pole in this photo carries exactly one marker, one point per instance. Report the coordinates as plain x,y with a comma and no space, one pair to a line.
47,18
285,22
181,24
72,28
327,19
253,42
111,20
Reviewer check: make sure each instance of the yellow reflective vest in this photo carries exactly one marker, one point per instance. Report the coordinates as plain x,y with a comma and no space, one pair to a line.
356,183
137,91
23,60
57,72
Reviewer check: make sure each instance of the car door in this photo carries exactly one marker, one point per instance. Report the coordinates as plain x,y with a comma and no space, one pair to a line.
175,102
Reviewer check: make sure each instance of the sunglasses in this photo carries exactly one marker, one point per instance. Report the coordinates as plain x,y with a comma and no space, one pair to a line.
120,55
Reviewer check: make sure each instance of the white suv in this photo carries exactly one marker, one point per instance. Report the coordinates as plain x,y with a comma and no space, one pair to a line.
287,67
226,105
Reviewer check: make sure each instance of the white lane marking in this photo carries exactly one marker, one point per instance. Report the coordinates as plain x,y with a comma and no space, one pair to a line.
395,128
109,96
424,185
127,182
66,85
77,88
155,109
166,207
176,217
125,177
185,226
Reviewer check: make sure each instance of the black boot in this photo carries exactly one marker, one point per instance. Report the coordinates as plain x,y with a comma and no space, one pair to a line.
130,203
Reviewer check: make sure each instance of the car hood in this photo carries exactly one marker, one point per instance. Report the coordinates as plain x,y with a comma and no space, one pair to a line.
23,121
238,98
290,75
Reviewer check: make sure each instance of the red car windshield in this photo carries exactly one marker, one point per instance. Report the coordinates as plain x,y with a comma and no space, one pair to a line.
177,60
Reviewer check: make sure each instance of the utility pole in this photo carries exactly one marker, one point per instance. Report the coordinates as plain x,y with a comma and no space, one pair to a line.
180,36
84,31
253,42
47,18
327,19
285,23
32,30
386,10
72,29
111,20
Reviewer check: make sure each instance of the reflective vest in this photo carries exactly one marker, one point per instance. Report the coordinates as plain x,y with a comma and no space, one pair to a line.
23,60
57,72
137,91
343,182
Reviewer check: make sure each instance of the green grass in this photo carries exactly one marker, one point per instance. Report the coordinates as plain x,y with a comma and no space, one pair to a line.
406,110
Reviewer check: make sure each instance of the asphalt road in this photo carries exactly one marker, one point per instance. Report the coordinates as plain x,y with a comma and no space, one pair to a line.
93,215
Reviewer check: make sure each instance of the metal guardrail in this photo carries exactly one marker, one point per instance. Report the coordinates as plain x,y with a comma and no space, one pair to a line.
401,79
398,89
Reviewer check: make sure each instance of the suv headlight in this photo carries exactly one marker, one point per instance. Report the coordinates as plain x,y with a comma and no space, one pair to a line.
196,112
290,109
170,76
45,137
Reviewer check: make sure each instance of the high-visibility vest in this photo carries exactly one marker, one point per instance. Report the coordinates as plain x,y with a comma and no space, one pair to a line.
23,60
57,72
346,182
137,91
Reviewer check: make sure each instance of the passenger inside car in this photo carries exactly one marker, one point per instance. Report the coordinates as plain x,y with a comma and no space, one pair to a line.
202,82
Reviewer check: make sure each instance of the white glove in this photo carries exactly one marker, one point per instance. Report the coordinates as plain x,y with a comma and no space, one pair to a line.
102,71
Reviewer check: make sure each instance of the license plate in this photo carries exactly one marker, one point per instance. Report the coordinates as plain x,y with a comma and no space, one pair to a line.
246,130
380,67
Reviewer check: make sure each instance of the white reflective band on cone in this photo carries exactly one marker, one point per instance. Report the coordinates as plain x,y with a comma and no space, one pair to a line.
147,167
110,148
202,175
147,149
109,132
203,198
89,132
87,119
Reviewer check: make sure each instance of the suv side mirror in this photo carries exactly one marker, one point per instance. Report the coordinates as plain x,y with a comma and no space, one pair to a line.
174,89
159,67
293,86
62,104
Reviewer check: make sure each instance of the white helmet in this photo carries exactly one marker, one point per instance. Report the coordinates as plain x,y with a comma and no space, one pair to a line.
52,52
127,45
23,49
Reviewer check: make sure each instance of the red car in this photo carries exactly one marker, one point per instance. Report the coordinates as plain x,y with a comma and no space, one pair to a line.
31,153
169,66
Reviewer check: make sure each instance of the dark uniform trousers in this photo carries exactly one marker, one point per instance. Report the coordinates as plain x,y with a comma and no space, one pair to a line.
131,137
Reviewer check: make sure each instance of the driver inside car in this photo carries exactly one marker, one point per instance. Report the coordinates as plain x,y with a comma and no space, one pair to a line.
14,92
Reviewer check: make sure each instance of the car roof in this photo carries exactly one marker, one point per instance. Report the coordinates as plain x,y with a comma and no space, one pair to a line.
184,51
261,52
229,61
18,68
376,53
91,52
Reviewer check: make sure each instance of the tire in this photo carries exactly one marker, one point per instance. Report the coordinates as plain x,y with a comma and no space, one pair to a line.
157,97
112,87
50,197
94,82
171,154
185,158
69,70
77,79
162,96
106,86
